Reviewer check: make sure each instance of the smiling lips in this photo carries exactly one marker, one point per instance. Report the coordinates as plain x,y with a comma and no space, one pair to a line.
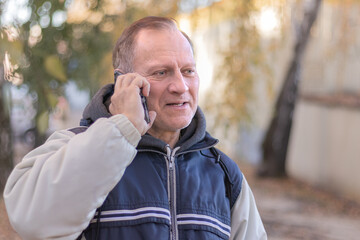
176,104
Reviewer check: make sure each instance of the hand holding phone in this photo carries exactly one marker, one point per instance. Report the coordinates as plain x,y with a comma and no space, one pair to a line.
143,98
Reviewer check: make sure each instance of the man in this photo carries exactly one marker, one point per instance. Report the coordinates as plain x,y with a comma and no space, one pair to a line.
123,178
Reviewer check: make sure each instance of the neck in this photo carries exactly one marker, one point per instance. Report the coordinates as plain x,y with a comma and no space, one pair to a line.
170,138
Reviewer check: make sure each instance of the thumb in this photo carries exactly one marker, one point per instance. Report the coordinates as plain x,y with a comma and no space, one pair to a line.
152,115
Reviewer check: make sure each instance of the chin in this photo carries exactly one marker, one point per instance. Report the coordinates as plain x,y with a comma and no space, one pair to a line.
182,124
172,126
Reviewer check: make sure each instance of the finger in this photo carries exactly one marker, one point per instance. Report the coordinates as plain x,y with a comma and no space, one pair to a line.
137,83
118,81
124,80
152,115
111,109
129,79
132,78
142,83
146,88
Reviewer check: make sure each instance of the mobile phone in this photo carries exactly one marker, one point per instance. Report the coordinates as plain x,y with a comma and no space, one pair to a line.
143,98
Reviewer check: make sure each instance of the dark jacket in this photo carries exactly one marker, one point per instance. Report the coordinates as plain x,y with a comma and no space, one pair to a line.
181,193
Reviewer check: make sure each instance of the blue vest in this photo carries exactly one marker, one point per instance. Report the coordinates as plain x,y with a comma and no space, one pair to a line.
171,194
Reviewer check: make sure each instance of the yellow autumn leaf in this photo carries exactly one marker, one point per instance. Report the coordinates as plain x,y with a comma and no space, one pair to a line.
52,99
54,67
43,122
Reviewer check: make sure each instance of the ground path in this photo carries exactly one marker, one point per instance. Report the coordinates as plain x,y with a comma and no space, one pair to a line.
294,210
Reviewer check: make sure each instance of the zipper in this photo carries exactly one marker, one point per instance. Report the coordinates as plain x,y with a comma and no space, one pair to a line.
171,179
170,157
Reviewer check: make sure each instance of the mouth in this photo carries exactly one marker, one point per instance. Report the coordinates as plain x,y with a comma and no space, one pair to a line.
177,104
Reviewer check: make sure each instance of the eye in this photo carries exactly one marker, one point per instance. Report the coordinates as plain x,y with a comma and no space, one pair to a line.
160,73
189,72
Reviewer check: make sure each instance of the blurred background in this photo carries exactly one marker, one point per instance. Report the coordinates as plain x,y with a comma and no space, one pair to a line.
280,87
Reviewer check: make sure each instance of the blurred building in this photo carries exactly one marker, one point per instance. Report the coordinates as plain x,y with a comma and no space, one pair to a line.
325,139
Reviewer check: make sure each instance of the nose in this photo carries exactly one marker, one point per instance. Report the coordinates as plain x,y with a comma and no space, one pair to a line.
178,83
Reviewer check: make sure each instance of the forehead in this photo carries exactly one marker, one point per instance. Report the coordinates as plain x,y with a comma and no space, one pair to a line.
169,39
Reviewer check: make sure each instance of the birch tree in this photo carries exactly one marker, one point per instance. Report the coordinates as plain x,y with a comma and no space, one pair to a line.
275,144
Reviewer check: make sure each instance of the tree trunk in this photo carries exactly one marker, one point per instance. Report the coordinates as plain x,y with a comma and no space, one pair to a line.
6,163
276,141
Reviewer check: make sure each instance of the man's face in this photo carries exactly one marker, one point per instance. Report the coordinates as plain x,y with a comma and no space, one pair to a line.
166,59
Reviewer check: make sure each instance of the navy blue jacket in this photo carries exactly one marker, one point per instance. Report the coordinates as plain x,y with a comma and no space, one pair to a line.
181,193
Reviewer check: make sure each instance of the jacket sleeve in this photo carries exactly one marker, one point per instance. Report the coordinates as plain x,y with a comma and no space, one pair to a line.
246,223
54,192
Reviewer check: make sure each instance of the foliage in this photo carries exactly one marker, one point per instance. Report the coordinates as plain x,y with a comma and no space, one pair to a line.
51,52
230,100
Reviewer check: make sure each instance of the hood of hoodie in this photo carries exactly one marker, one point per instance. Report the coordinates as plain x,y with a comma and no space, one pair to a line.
192,137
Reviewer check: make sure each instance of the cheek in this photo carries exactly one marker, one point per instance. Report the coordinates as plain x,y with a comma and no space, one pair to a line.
194,89
151,103
155,96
